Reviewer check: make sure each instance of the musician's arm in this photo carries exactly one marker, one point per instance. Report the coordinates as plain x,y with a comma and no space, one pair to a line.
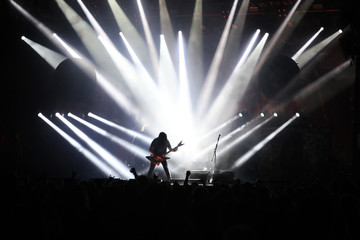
173,149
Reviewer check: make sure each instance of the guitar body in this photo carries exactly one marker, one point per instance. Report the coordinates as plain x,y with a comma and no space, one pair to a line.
158,159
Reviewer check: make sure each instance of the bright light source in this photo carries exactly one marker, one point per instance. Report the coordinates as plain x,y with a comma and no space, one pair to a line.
213,71
248,49
302,49
51,57
89,155
127,145
307,55
39,25
87,35
274,43
167,79
234,88
220,128
184,105
148,37
261,144
106,83
143,85
106,155
129,30
297,115
195,47
252,127
73,53
147,82
129,132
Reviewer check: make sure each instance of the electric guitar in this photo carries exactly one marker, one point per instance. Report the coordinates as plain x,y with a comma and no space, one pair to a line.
158,159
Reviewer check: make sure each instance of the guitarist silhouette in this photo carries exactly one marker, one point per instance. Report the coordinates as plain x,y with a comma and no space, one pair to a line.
158,148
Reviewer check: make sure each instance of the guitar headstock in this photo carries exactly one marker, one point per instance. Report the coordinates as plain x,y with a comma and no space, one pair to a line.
180,144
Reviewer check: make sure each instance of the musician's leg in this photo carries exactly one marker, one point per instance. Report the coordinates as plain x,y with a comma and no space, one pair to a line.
166,169
151,169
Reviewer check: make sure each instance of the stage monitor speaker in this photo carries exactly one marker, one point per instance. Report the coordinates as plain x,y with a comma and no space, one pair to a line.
201,175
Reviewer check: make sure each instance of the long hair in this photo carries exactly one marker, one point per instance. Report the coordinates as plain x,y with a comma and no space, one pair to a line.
162,137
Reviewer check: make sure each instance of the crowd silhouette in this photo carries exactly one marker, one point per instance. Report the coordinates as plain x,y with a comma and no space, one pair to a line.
148,208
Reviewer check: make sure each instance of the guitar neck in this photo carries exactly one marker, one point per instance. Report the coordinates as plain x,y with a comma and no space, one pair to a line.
179,145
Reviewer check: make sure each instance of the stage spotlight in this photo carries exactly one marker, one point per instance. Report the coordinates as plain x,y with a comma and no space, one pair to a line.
73,53
302,49
149,40
234,88
262,114
127,145
306,56
251,128
297,115
84,151
110,159
275,114
243,113
145,139
185,107
262,143
129,30
221,127
51,57
39,25
213,71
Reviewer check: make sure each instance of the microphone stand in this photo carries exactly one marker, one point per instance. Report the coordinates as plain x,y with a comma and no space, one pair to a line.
214,158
